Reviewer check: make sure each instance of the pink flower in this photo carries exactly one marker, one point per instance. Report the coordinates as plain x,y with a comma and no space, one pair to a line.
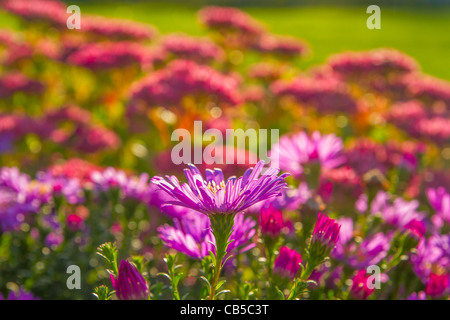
326,231
129,284
271,221
287,263
300,149
74,222
437,285
360,288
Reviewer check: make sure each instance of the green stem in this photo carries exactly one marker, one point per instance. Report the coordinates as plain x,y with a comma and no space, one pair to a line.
221,225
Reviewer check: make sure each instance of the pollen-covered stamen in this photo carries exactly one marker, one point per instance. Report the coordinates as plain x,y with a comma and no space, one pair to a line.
215,187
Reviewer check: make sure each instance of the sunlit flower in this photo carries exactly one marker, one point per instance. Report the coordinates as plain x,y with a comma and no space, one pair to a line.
300,149
129,284
215,196
287,263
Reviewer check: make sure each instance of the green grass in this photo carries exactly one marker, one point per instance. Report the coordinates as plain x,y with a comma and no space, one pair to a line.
421,33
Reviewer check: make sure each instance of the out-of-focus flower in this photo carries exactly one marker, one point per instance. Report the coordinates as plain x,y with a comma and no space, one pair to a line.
364,154
379,62
271,221
192,235
417,228
19,197
231,20
439,200
167,87
54,239
429,89
17,82
436,129
74,222
215,196
398,212
290,199
21,294
70,188
299,150
360,288
253,94
287,263
266,71
118,29
74,168
50,11
405,115
186,47
417,296
71,113
93,139
129,284
359,255
130,186
326,95
432,254
104,56
281,45
338,184
437,285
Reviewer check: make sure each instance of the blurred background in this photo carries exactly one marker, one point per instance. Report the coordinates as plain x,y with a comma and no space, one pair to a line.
420,28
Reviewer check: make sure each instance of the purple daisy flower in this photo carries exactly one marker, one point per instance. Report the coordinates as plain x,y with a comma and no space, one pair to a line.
294,152
359,256
215,196
396,212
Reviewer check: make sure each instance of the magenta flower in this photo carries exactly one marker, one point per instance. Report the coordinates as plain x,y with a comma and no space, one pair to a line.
167,87
129,284
271,221
360,288
299,150
287,263
439,200
416,228
432,254
437,285
74,222
20,295
215,196
326,231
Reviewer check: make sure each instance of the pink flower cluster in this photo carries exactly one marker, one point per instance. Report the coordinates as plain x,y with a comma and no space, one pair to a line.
167,87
